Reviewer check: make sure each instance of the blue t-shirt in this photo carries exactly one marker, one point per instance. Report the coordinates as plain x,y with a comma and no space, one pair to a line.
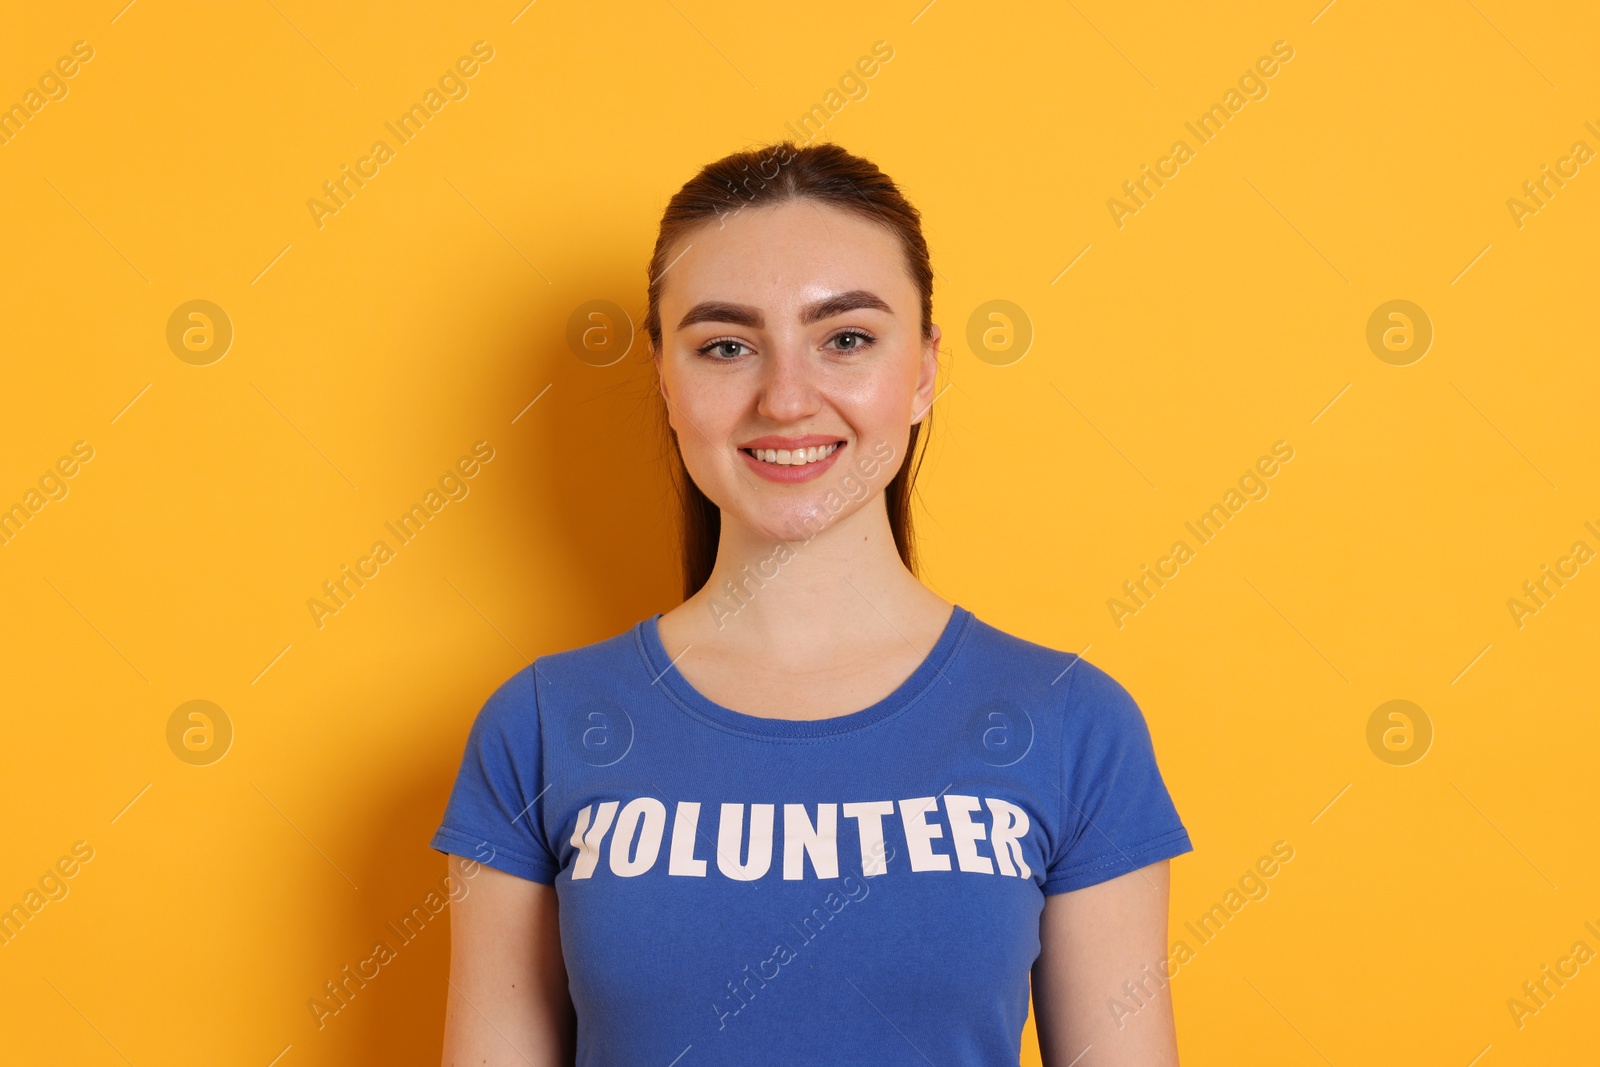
863,889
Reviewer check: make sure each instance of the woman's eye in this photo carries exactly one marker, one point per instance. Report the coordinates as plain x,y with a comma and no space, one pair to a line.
722,348
853,340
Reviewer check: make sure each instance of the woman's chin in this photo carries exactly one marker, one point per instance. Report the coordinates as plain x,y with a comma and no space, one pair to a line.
799,521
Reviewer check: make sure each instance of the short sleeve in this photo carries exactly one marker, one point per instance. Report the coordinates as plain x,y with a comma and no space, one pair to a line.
493,812
1117,815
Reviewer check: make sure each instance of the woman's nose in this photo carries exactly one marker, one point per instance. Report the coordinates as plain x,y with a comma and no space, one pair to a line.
788,386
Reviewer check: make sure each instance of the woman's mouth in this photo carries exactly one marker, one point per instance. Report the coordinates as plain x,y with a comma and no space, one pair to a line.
790,465
796,457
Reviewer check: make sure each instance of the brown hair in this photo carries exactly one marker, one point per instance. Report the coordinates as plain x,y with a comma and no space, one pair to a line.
766,177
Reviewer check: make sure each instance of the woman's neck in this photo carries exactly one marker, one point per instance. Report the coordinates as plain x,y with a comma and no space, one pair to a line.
845,590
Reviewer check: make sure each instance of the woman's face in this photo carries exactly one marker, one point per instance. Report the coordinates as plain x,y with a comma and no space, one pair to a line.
793,364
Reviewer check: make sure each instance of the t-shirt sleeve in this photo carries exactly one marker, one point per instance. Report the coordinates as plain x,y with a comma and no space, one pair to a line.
493,813
1117,815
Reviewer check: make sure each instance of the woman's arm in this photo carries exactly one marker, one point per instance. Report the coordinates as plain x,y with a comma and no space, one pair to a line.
508,1004
1092,941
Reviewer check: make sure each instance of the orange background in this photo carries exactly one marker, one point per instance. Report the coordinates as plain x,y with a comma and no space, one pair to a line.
369,353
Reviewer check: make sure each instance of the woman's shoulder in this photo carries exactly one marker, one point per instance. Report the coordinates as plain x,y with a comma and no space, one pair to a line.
1074,682
553,674
621,649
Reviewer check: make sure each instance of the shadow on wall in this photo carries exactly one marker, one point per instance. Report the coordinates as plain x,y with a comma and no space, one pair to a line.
397,1016
595,494
606,493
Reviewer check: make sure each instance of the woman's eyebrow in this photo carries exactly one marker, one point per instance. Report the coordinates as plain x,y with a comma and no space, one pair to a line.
720,311
854,300
744,315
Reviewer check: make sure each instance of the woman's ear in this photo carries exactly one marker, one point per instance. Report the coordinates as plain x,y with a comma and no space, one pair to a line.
661,381
661,387
927,377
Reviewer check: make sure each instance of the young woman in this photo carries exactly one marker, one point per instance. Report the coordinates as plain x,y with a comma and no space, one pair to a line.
815,814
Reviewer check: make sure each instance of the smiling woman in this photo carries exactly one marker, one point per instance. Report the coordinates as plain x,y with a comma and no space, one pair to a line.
842,720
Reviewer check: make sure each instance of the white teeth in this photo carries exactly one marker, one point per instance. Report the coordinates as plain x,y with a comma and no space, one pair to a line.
798,457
